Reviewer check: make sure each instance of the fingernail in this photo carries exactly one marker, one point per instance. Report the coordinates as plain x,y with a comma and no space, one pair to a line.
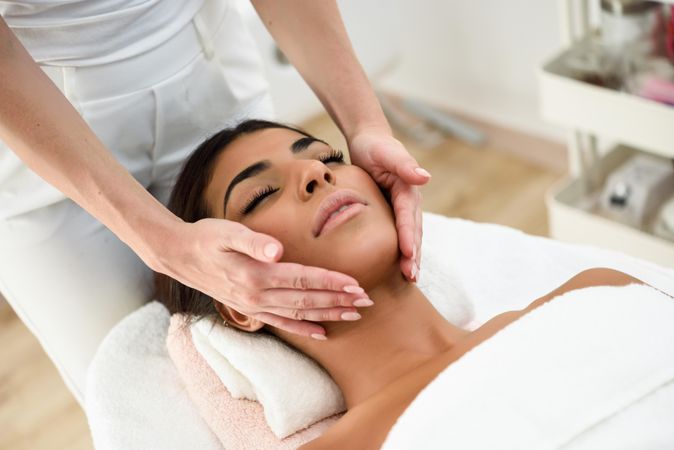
353,289
319,337
270,250
414,271
363,302
414,253
350,316
422,172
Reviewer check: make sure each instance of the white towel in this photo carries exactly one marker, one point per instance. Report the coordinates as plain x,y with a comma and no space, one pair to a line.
136,399
249,364
292,388
555,377
135,396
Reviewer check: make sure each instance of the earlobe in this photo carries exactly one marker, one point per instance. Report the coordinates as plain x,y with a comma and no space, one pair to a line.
236,319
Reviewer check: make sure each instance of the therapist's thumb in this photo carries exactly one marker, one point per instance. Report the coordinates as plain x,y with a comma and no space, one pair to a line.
259,246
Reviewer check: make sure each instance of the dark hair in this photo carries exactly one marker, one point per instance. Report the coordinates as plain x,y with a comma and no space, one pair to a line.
187,202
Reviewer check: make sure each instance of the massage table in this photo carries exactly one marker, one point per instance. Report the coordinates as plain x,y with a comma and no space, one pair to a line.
135,397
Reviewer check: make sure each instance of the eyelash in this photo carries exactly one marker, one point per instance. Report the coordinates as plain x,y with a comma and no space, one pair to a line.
332,156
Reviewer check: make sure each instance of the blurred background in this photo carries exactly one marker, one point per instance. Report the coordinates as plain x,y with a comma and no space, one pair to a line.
554,118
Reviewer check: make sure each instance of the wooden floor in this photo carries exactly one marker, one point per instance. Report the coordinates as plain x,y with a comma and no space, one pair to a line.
502,183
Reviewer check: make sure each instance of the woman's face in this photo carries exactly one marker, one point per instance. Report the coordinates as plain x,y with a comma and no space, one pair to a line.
294,174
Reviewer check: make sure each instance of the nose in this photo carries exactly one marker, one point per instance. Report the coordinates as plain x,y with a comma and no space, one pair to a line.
314,176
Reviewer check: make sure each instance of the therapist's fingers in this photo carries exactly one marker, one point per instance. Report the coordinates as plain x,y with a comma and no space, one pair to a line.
405,199
299,327
419,231
308,299
406,267
239,238
317,315
381,152
404,204
298,276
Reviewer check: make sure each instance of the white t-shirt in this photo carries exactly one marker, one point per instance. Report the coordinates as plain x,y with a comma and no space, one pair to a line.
89,32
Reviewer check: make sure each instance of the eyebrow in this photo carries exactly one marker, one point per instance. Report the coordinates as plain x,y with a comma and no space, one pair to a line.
257,168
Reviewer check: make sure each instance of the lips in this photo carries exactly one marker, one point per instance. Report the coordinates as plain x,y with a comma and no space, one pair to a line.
331,204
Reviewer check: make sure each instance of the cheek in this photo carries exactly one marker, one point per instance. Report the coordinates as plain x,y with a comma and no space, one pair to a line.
374,192
361,181
283,224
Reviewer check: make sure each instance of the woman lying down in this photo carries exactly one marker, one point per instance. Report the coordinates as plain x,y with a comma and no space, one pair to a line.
382,361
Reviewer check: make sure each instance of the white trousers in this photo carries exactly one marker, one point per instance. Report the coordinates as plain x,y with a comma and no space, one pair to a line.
69,278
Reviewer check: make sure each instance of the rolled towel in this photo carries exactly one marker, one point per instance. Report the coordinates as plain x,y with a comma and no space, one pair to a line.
293,389
237,423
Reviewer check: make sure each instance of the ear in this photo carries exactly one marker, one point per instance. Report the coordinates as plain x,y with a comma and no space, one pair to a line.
238,320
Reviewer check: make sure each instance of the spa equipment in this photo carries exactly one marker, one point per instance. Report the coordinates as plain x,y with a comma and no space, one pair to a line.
664,224
636,190
136,397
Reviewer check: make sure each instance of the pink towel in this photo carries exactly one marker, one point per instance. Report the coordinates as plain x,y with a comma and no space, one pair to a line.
238,423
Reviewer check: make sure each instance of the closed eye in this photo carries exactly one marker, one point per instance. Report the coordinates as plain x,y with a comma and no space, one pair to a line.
332,156
257,198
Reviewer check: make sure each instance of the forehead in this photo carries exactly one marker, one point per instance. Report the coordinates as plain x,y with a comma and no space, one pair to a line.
271,143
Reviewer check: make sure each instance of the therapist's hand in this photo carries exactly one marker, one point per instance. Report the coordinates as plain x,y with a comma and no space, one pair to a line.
229,262
393,168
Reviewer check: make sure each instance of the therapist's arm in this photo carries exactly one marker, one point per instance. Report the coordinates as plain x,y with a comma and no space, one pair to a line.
312,36
220,258
41,126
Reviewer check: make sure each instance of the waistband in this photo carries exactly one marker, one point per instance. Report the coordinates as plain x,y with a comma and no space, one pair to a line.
146,69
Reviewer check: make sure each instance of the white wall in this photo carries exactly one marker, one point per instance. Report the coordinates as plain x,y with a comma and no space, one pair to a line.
373,32
479,57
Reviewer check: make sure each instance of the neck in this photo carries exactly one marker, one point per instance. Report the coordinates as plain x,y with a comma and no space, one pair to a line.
401,331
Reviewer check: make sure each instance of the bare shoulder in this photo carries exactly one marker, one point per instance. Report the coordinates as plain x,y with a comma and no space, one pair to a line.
603,276
365,426
596,276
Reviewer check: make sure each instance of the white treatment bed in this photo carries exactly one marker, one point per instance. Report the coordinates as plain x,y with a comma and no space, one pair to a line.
135,398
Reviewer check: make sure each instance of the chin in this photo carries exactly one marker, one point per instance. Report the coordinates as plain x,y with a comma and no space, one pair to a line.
365,253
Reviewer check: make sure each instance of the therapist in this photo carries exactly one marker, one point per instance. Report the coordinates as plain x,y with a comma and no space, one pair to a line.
100,103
